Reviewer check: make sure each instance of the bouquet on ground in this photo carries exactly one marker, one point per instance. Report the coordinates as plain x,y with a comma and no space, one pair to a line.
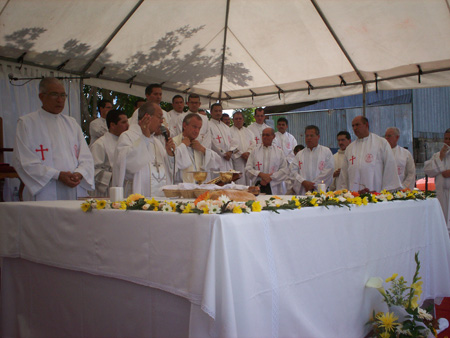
404,318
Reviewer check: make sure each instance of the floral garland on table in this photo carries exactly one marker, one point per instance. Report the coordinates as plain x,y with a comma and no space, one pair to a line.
404,318
202,205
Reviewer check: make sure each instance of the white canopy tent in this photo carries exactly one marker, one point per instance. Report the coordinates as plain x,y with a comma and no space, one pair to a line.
276,51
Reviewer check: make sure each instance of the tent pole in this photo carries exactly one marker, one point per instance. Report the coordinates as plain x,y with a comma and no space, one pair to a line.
224,50
364,98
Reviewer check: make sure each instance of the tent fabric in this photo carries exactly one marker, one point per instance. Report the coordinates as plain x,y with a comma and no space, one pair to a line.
276,51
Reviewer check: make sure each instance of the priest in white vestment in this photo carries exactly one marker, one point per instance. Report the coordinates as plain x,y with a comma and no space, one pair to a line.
153,94
439,168
313,165
194,104
174,114
98,127
258,126
267,166
50,153
221,141
406,168
343,140
103,151
285,140
141,163
370,163
245,143
190,154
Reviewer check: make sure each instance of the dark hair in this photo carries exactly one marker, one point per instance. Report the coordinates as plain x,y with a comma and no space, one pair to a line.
311,126
102,103
224,114
193,96
240,113
149,89
216,105
177,97
283,119
137,101
113,117
298,147
259,109
345,133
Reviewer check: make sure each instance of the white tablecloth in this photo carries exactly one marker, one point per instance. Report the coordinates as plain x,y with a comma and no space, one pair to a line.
294,274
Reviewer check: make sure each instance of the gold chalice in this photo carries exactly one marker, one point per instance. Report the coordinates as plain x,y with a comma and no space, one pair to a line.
200,176
226,176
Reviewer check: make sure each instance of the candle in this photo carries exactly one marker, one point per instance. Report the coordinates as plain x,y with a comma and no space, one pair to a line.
321,187
116,194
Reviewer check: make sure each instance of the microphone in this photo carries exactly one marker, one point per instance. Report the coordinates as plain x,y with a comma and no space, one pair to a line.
11,77
164,132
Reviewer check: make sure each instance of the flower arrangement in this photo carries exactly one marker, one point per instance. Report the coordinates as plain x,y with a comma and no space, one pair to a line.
404,318
203,205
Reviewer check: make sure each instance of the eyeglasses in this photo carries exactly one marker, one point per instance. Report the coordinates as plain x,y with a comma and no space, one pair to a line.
54,95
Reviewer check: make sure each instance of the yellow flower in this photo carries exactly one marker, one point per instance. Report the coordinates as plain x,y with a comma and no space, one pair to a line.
205,209
390,279
387,320
365,200
237,210
414,302
256,206
123,205
155,209
187,209
314,202
385,334
134,197
101,204
86,206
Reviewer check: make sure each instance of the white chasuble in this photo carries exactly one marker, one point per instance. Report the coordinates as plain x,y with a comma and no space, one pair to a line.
369,164
142,163
268,160
45,145
316,165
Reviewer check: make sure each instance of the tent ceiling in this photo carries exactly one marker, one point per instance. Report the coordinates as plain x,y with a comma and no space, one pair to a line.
277,51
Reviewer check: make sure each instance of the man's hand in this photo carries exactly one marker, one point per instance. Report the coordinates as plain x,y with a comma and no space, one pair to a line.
144,124
337,172
446,173
228,155
308,185
443,151
265,177
196,145
170,146
186,141
245,156
69,179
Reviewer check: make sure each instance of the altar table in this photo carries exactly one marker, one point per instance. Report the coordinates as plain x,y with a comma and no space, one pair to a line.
298,273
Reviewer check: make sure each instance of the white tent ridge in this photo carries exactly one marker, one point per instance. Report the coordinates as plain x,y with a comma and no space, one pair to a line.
246,53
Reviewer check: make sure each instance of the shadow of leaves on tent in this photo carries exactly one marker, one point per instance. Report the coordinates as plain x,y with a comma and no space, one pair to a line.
162,62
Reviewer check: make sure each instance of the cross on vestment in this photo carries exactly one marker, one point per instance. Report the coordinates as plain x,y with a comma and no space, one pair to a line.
352,159
259,165
300,164
42,151
218,138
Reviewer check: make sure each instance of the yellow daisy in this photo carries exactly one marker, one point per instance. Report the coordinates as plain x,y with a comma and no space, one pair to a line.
387,320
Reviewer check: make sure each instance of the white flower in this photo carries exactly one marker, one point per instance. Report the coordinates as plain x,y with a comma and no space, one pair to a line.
348,194
374,282
224,199
201,204
424,314
166,207
214,209
145,206
341,199
400,194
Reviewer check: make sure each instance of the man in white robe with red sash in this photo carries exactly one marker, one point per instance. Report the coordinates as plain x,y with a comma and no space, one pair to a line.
51,155
221,141
141,163
313,165
103,151
267,166
370,163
